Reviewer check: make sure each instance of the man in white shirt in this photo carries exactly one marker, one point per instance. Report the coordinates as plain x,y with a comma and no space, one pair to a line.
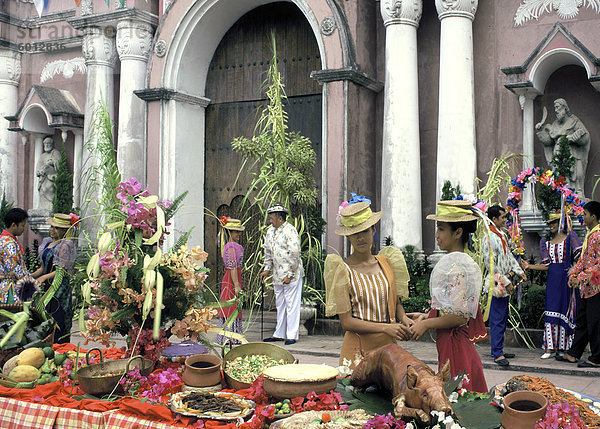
284,264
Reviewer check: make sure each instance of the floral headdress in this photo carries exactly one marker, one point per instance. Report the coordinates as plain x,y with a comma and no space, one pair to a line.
356,215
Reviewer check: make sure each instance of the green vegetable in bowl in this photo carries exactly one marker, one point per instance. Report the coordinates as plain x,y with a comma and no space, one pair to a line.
248,368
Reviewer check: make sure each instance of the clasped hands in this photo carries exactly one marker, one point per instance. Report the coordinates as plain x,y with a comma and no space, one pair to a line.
411,328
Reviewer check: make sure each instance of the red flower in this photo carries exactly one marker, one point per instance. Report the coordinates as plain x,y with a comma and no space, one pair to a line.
74,218
595,277
224,220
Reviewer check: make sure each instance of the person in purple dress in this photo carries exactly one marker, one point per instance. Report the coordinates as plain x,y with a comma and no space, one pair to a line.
558,253
233,258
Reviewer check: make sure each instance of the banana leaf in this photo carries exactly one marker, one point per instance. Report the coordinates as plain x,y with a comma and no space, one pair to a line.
478,413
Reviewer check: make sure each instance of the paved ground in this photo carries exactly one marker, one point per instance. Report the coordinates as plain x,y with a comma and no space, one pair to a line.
325,349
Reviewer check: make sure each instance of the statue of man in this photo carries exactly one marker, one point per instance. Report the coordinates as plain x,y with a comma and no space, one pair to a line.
570,126
45,170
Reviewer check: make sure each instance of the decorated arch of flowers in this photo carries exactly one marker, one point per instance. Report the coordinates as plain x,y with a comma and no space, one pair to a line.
571,203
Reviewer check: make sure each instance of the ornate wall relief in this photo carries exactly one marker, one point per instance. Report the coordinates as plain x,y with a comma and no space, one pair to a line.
65,67
566,9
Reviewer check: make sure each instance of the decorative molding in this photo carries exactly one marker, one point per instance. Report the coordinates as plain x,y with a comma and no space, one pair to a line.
65,67
99,47
160,49
351,74
328,26
463,8
401,12
113,17
566,9
10,67
134,40
159,94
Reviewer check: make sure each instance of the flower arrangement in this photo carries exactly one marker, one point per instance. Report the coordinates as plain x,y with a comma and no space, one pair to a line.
155,387
572,203
386,421
128,277
561,416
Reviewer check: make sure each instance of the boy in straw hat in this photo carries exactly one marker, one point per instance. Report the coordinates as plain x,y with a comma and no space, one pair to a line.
232,253
283,262
455,286
365,290
505,268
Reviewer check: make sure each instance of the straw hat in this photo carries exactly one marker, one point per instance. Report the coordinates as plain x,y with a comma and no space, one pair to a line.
59,220
233,225
553,217
453,211
357,217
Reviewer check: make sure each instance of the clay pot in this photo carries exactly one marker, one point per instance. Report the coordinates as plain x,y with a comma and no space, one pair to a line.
523,409
202,370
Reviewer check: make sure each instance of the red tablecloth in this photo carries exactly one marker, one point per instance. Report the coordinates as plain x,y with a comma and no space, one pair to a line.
53,406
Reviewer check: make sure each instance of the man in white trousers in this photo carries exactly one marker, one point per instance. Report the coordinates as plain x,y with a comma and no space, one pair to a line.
283,263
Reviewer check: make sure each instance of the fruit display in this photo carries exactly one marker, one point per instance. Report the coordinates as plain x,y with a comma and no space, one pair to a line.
34,366
283,407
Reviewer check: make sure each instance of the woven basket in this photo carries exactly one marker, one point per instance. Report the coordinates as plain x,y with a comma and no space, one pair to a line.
7,354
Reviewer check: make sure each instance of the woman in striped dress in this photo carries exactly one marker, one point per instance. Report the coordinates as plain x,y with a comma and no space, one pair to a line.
365,290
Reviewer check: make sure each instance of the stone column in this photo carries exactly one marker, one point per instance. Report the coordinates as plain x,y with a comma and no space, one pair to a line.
100,57
134,40
77,161
10,73
401,158
526,101
456,153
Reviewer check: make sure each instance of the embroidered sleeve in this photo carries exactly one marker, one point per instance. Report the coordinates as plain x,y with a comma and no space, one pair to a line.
230,258
66,254
401,276
337,286
267,248
575,243
589,264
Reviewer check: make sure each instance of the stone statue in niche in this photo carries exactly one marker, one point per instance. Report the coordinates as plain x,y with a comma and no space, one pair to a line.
45,171
569,125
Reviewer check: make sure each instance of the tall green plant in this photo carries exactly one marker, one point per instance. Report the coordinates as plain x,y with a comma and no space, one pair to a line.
62,202
280,164
102,175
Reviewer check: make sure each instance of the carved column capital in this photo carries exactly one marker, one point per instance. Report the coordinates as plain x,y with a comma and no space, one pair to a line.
401,12
462,8
134,40
10,67
99,46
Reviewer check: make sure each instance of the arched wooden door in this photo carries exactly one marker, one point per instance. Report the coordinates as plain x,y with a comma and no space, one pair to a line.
234,86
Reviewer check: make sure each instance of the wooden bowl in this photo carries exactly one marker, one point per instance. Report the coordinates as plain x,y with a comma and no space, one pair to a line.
249,349
291,381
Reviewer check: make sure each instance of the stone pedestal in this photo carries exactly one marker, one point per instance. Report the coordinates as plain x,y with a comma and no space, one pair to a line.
306,313
401,158
37,221
10,73
134,41
456,154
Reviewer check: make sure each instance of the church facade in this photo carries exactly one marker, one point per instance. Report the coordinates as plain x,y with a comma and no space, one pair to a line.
397,96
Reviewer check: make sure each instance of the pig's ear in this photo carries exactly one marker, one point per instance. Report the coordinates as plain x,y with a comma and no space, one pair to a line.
412,378
444,373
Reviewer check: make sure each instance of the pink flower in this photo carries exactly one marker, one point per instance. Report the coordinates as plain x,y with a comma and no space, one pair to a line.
342,207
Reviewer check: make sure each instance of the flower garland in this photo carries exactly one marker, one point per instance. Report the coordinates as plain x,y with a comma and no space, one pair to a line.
572,203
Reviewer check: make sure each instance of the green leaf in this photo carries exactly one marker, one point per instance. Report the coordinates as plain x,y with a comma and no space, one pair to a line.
476,413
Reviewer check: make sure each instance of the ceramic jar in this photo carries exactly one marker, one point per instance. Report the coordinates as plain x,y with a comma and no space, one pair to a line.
523,409
202,370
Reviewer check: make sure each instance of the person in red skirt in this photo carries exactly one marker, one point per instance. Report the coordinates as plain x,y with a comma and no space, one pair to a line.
455,286
233,258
